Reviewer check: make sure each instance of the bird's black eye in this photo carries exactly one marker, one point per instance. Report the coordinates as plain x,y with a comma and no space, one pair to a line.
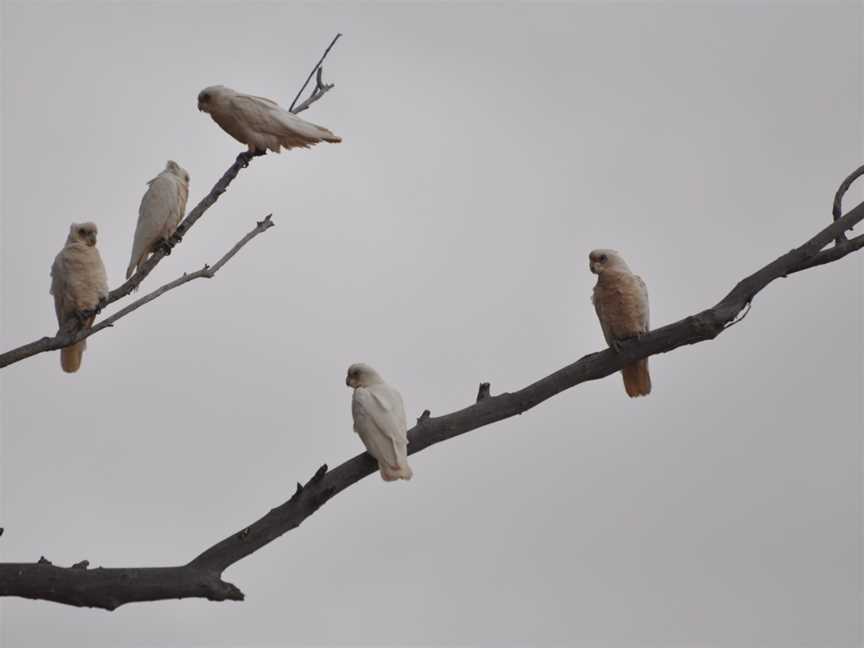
205,97
82,232
602,258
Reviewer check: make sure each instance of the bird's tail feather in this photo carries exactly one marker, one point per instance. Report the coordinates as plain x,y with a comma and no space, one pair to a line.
637,380
390,473
70,356
329,136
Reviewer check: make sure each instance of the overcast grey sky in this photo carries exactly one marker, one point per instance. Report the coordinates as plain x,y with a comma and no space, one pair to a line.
486,150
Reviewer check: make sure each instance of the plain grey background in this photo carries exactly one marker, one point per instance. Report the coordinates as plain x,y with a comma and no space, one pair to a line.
487,149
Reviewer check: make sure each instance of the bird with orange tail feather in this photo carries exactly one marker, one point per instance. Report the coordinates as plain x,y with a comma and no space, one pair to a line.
621,301
78,283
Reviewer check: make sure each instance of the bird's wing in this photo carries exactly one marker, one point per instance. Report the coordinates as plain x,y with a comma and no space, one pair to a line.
266,116
644,310
390,401
159,206
58,286
601,315
378,415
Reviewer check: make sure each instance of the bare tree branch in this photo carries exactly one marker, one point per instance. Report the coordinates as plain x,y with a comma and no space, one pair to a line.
837,207
64,337
202,577
207,272
320,87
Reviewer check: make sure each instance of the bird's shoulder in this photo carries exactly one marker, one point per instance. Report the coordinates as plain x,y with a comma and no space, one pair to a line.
247,101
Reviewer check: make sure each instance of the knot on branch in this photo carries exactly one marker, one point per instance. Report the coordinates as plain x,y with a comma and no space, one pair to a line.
315,479
483,391
43,561
84,564
318,476
425,415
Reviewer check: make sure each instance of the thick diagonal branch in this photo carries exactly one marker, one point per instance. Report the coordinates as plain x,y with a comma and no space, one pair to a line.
202,576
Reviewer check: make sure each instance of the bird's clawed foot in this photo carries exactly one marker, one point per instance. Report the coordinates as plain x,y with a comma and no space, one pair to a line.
84,316
618,343
251,153
167,244
103,302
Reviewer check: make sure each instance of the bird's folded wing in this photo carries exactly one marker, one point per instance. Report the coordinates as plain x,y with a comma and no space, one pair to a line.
643,290
159,204
380,413
266,116
58,287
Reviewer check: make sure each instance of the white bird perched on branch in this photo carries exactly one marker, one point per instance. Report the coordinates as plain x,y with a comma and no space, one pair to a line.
260,123
78,283
162,208
379,419
621,301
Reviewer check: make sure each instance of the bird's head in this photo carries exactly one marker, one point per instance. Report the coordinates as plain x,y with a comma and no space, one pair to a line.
603,260
209,96
83,233
172,167
361,375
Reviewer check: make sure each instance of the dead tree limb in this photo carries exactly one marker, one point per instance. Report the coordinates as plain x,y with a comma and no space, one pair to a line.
66,337
207,272
320,87
202,577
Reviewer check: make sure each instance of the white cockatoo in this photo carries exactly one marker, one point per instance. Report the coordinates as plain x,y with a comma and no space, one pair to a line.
258,122
161,209
379,419
621,301
78,283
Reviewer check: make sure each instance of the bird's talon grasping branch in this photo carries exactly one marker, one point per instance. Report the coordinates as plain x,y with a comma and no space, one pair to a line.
165,245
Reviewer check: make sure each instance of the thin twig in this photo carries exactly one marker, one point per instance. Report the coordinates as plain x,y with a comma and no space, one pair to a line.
319,83
67,338
837,209
207,272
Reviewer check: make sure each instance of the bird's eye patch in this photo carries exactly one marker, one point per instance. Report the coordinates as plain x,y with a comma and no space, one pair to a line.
82,231
602,258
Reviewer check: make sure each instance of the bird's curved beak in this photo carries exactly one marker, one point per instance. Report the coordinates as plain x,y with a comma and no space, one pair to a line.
348,381
91,240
